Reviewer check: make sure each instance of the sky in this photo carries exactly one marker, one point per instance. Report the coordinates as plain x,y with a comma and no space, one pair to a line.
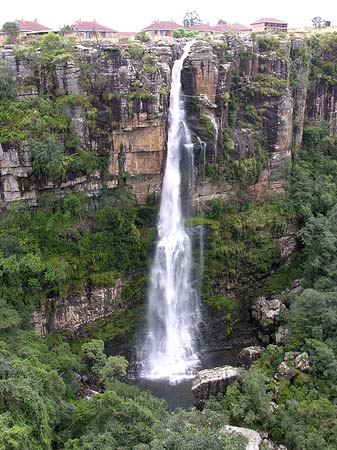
133,15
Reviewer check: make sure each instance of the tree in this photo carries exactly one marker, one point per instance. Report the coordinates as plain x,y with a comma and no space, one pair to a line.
142,37
318,22
222,22
11,31
48,158
66,29
7,86
94,356
319,237
191,19
115,367
9,318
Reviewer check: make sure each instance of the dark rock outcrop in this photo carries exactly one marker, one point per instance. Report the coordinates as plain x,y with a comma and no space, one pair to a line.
282,335
266,312
248,355
285,371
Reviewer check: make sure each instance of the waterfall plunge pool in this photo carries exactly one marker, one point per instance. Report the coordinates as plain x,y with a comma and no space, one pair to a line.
218,349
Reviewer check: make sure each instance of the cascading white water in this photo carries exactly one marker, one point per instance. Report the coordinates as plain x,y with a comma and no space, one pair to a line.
170,347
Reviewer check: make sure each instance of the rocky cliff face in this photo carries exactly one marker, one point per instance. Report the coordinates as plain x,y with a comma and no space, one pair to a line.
247,99
118,109
79,310
246,113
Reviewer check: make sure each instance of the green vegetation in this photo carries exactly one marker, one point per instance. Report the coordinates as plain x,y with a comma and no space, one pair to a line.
242,241
135,50
182,33
65,246
47,49
323,58
11,31
41,404
142,37
267,42
149,64
7,85
243,238
305,415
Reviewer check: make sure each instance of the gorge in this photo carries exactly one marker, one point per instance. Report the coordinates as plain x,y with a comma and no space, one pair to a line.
233,144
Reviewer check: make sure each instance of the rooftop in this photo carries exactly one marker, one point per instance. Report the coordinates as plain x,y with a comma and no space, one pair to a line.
25,25
90,26
239,27
201,27
163,25
267,19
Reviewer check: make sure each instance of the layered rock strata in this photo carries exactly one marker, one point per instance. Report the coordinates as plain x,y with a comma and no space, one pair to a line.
246,100
76,312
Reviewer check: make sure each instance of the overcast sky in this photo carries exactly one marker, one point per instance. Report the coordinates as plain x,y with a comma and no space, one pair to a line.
133,15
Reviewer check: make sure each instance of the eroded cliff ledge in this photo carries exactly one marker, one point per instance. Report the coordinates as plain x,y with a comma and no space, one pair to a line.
78,311
247,99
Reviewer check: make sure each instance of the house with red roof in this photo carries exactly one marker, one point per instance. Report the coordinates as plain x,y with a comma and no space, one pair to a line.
28,28
25,26
92,30
202,28
268,24
162,28
239,28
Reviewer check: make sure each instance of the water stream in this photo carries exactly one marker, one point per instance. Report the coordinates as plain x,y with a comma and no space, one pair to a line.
170,347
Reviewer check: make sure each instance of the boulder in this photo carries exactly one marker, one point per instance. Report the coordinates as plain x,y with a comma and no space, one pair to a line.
253,437
249,354
282,335
288,243
273,407
267,311
214,381
302,362
269,445
264,338
285,371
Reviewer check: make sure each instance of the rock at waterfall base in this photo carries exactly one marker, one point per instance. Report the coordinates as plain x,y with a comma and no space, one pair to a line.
214,381
249,354
253,437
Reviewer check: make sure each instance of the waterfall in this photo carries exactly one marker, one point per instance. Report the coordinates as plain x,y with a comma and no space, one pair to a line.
170,347
202,157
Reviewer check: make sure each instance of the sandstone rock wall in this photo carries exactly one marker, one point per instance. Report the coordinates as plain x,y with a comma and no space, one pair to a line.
221,79
129,129
76,312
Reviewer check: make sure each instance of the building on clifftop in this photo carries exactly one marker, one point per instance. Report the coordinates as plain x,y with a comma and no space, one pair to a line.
25,26
268,24
162,28
92,30
28,28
